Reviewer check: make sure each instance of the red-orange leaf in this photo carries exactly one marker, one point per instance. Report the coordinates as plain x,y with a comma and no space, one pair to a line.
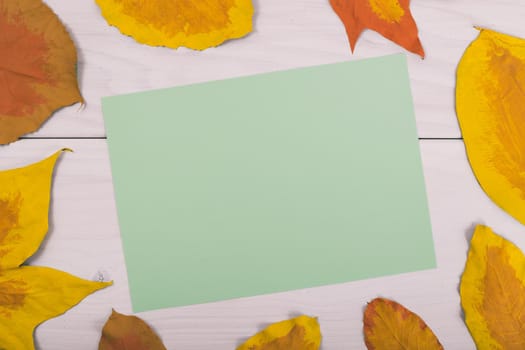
390,18
122,332
390,326
37,67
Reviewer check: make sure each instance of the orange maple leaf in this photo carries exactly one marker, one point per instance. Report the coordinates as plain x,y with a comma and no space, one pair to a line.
390,18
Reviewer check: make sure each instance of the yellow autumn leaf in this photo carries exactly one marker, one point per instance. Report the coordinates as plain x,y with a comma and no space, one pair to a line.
300,333
173,23
493,292
30,295
24,205
490,105
388,325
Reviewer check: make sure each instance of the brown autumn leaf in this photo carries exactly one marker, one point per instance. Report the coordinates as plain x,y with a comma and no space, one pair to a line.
122,332
390,18
493,292
37,67
390,326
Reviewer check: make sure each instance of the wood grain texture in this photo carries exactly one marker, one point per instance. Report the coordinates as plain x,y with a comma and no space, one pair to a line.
289,34
84,237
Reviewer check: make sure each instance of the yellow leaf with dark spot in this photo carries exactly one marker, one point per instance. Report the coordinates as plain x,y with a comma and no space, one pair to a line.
490,105
300,333
390,18
493,292
30,295
38,67
173,23
390,326
122,332
24,206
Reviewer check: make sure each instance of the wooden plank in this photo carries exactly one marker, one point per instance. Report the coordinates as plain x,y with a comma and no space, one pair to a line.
289,34
84,240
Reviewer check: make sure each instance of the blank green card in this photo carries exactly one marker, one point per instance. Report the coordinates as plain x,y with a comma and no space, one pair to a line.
269,183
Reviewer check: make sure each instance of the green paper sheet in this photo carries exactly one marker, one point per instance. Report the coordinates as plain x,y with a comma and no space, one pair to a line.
269,183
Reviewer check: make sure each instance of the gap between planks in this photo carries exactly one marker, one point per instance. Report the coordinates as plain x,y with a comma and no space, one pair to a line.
105,138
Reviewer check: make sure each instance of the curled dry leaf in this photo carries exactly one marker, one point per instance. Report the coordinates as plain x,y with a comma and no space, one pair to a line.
493,292
390,18
30,295
390,326
490,105
122,332
38,72
173,23
300,333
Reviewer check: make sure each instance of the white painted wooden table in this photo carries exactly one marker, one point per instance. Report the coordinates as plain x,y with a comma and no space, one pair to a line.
84,235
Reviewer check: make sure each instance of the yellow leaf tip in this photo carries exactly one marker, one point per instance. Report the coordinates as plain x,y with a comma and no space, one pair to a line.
102,284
